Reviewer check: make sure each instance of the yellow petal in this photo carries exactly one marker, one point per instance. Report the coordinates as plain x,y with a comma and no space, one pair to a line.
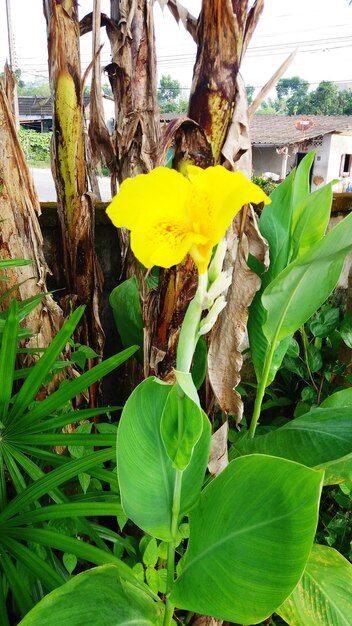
218,196
163,243
149,197
201,255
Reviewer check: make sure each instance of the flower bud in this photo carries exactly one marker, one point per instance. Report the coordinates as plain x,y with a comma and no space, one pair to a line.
208,322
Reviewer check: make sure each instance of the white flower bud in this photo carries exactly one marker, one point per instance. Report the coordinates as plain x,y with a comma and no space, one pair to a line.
208,322
218,287
216,264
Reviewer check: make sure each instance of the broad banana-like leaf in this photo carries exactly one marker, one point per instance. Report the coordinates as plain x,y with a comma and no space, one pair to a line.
323,596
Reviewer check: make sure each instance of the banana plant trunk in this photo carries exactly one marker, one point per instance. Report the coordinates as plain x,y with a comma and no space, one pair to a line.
20,234
75,206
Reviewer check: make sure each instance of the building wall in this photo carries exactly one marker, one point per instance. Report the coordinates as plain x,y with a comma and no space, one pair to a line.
327,162
340,145
321,162
266,159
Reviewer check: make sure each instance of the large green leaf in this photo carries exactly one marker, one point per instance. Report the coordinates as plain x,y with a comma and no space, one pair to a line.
337,471
299,290
275,226
342,398
282,223
310,220
251,533
125,304
315,438
98,597
293,222
323,597
146,474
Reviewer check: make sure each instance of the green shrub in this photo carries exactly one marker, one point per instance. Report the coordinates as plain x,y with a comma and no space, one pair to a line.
36,146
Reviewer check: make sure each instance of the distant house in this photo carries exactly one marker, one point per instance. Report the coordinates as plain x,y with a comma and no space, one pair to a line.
278,146
36,112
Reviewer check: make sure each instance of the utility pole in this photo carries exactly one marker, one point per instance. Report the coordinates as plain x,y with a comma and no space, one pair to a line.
12,58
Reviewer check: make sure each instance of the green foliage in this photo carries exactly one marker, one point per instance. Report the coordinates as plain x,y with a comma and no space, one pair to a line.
288,87
238,547
37,87
170,96
36,146
33,502
311,372
315,438
264,183
250,92
294,98
301,259
335,524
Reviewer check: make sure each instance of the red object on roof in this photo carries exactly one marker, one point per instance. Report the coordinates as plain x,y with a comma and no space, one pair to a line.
304,124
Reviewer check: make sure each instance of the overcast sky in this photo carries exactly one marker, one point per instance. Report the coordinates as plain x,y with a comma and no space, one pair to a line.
321,29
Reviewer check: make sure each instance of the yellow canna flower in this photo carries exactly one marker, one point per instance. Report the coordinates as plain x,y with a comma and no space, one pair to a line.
170,214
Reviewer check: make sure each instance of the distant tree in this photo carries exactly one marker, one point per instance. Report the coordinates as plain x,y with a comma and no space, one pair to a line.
37,87
325,100
169,96
182,106
292,93
345,97
250,91
288,87
273,106
18,72
294,98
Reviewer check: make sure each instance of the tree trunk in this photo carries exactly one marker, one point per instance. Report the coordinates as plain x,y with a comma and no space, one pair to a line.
20,234
132,75
75,207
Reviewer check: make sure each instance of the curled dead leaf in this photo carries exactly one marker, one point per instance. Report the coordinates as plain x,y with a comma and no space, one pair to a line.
229,337
218,458
188,142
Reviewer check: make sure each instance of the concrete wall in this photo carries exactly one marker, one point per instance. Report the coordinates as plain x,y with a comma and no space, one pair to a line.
340,144
321,162
266,159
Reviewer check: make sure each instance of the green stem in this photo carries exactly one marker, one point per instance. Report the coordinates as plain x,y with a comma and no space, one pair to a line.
175,514
306,359
261,390
185,352
171,551
190,325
